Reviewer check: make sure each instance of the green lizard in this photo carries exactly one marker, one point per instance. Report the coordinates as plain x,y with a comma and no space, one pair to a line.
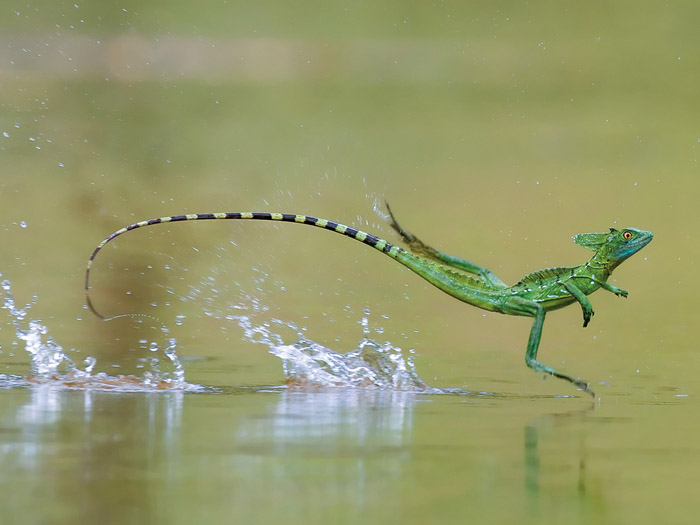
533,296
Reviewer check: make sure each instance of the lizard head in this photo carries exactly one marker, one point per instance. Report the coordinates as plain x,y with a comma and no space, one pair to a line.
617,245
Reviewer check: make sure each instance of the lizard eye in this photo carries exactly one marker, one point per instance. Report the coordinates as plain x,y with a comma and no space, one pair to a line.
627,235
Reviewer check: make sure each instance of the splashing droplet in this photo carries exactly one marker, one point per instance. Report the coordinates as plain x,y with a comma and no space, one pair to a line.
50,364
307,363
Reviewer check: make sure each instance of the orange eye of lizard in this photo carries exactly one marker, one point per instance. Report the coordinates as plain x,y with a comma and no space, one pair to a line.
627,235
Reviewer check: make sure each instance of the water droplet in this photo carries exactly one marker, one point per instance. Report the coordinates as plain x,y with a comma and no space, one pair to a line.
89,364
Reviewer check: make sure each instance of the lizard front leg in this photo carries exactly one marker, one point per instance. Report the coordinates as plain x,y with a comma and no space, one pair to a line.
614,289
586,305
606,286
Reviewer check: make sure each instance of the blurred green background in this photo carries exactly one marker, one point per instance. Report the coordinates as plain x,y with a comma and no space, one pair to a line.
496,130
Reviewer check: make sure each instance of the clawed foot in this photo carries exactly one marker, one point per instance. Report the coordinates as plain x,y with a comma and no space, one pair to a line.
614,289
578,383
583,385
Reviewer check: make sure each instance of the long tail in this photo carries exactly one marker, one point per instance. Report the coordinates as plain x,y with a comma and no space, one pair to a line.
454,283
371,240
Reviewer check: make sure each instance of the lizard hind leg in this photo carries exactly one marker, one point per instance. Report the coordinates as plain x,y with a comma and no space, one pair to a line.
420,248
519,306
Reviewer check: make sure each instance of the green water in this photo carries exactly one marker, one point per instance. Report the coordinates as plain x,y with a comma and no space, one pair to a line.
496,131
383,457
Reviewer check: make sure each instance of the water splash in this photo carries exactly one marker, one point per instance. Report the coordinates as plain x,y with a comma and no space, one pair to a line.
308,364
50,364
48,358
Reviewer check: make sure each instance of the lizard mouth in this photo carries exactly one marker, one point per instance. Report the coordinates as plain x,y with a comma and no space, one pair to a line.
643,241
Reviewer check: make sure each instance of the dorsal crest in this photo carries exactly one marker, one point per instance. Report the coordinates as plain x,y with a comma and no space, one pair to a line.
546,275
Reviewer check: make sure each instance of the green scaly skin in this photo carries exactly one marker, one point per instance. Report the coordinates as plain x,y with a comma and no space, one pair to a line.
533,296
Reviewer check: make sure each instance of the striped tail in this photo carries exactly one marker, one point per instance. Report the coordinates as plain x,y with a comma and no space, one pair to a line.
371,240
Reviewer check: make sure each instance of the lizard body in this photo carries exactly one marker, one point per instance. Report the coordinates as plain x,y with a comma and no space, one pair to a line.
534,295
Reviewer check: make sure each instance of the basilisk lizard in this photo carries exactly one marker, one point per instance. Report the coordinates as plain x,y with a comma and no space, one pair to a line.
533,296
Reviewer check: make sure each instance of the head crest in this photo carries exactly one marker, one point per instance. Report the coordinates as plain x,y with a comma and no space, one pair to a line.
591,241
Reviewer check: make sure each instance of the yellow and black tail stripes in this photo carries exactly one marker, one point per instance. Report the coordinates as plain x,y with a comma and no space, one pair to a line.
371,240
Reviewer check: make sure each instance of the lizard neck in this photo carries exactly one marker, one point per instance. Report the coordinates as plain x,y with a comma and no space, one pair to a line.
601,265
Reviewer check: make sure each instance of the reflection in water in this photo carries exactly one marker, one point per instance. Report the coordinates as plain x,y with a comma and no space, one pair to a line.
544,428
360,415
350,443
88,451
532,462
